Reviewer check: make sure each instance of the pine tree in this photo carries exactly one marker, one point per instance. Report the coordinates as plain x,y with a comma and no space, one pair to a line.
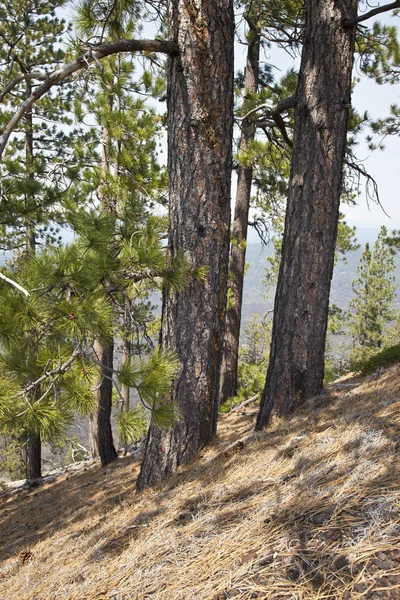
296,367
46,367
200,121
371,309
32,172
123,180
264,154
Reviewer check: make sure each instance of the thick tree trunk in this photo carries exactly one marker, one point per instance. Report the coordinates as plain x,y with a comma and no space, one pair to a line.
100,432
33,457
237,261
296,367
200,118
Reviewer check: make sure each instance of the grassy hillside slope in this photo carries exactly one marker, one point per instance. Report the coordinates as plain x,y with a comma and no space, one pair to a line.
308,510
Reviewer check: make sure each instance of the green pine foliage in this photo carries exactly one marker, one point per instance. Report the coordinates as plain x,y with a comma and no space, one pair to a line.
253,361
32,179
386,357
379,52
371,309
152,379
47,366
46,369
11,461
132,425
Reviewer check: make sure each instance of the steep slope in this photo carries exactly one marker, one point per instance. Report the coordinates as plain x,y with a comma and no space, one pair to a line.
309,509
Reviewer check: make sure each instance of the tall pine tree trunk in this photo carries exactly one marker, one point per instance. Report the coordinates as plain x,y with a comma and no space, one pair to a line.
200,118
33,456
296,367
100,430
101,439
33,444
237,261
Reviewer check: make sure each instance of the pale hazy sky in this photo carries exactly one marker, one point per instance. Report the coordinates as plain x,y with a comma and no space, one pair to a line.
384,166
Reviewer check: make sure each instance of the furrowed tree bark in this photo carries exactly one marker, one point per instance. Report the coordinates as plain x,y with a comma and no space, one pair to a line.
100,432
296,366
200,119
237,261
33,457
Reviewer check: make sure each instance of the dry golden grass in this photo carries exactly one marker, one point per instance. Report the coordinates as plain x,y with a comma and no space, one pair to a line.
308,510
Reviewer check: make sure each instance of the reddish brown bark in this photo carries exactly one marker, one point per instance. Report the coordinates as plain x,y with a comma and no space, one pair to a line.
33,457
200,118
100,431
237,261
296,367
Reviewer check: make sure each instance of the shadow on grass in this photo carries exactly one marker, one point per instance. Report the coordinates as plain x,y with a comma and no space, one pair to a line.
317,527
32,515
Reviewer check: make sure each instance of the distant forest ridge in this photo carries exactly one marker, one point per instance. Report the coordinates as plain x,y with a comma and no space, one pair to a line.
345,272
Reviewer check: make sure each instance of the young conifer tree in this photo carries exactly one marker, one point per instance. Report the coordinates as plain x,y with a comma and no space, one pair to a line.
372,307
123,181
46,369
33,166
32,170
47,363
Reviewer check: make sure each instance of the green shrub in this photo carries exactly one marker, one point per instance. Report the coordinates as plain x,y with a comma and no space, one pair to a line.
334,368
76,452
384,358
11,460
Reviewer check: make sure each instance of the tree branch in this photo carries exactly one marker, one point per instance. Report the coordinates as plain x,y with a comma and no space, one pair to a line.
272,111
371,13
94,53
34,75
361,171
57,372
15,284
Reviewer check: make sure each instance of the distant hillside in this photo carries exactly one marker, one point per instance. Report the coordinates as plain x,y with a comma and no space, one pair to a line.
345,273
308,509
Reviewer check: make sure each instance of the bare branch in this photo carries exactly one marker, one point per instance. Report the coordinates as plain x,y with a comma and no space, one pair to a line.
265,316
10,86
370,181
244,403
54,372
272,111
262,230
252,111
371,13
110,12
280,123
15,284
94,53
